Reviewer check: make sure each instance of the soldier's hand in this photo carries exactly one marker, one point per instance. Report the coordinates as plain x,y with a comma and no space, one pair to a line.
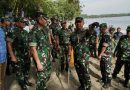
99,57
39,67
84,55
13,59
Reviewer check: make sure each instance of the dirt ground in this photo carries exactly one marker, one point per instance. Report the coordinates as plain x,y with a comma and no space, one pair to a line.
62,82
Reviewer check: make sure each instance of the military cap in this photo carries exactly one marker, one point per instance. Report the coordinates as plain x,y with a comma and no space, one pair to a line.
41,14
54,18
79,19
128,29
103,25
3,19
19,19
63,22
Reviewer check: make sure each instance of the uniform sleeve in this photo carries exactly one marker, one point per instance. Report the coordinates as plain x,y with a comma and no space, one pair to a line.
106,40
10,36
32,38
124,45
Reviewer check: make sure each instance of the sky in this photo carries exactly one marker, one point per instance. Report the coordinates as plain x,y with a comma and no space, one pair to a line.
97,7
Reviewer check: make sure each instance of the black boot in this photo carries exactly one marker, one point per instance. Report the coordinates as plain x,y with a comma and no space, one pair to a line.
28,83
126,83
81,88
105,85
23,86
114,76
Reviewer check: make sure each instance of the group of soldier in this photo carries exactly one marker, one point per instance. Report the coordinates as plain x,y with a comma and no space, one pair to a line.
46,43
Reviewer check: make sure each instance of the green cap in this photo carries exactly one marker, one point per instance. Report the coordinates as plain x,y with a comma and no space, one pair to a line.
63,22
128,29
79,19
19,19
41,14
103,25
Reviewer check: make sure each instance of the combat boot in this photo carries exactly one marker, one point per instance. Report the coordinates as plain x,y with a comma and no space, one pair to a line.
105,85
28,83
126,83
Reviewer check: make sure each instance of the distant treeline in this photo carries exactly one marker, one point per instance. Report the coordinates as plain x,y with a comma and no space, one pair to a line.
105,15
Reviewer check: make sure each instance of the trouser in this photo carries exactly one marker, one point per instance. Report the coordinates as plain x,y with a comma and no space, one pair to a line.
93,50
64,58
127,70
2,75
44,75
105,66
83,74
118,66
22,69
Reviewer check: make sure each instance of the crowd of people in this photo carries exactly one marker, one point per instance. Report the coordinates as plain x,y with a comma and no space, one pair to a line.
23,39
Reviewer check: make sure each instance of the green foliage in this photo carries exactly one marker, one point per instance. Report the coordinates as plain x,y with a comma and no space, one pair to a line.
63,9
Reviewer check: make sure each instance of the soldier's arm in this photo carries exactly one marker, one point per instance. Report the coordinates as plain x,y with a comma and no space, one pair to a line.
33,49
105,45
102,51
10,50
36,58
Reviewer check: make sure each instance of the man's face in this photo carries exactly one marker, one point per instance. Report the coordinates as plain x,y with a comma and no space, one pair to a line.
79,25
128,33
8,23
64,25
103,29
42,21
20,25
118,30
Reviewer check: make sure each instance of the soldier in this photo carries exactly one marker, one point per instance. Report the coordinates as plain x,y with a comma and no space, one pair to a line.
18,48
55,27
80,42
111,31
64,35
40,49
105,55
92,41
124,57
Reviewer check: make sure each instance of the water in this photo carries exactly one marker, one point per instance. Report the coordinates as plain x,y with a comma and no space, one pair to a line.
122,22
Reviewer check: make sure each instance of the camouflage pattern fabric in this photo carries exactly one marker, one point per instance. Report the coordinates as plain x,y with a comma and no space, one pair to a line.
19,39
64,37
80,42
39,37
105,63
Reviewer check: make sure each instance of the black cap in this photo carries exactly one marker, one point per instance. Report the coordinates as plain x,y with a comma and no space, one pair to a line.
128,29
78,19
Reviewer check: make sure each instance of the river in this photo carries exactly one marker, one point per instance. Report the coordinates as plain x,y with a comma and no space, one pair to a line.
122,22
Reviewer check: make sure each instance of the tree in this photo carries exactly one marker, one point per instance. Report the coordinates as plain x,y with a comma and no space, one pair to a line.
64,9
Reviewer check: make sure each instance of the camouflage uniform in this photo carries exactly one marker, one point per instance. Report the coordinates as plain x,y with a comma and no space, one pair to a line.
19,40
92,45
64,37
123,57
105,63
40,37
80,42
55,29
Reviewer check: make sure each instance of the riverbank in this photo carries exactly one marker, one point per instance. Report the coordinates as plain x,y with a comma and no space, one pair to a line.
61,82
